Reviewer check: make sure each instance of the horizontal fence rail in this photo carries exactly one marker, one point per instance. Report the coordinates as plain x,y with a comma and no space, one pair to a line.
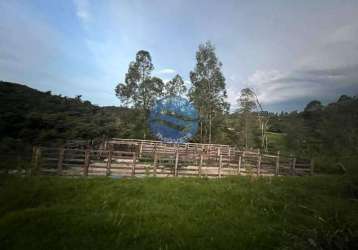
141,158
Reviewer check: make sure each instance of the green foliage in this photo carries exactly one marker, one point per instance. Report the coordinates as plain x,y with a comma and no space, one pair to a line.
319,130
140,89
246,101
179,213
139,73
28,116
313,106
175,87
208,90
247,120
277,142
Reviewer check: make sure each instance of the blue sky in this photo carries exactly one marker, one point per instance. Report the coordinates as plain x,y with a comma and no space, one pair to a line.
290,52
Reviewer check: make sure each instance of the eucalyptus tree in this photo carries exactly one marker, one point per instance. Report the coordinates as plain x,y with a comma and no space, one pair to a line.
253,119
208,90
175,87
247,122
264,120
140,89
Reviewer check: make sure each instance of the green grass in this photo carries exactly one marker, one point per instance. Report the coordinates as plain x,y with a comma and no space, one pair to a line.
277,142
178,213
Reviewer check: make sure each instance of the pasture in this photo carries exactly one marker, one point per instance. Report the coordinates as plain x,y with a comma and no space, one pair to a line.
242,212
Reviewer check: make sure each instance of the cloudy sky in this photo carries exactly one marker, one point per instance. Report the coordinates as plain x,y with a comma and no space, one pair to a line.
290,52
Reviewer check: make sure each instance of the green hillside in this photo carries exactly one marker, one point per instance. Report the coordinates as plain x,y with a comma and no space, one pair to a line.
28,116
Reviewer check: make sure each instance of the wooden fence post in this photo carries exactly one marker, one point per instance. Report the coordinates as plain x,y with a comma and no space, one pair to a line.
155,164
312,167
176,163
140,149
60,161
229,154
109,163
220,165
258,165
277,171
134,163
36,161
218,154
243,161
239,166
87,162
201,163
293,166
209,153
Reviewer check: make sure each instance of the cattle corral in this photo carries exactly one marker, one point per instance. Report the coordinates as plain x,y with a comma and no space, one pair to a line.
139,158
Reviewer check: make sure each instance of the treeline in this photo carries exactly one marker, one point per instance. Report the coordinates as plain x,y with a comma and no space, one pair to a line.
330,130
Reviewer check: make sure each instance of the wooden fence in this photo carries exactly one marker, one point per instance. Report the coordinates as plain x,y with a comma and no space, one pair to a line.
147,158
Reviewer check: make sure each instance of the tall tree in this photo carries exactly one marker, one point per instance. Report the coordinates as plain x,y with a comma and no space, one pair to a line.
263,118
208,91
175,87
140,90
248,119
312,120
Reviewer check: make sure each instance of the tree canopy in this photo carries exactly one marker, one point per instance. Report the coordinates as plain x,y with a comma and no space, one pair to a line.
208,90
175,87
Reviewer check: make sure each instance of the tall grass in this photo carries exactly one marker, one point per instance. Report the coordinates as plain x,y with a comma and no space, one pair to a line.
179,213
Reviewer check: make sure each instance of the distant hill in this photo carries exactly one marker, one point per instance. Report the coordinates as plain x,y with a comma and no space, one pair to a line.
29,116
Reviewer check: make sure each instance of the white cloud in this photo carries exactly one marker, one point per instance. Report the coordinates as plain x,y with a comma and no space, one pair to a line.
328,68
274,87
345,33
260,77
187,82
167,71
83,10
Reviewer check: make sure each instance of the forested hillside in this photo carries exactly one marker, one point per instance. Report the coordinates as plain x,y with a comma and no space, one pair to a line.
321,130
28,116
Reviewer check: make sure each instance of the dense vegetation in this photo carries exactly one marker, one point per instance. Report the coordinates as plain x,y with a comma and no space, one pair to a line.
331,129
28,116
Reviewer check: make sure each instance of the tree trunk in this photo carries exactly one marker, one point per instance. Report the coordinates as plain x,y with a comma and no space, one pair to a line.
210,120
246,136
262,135
201,131
145,124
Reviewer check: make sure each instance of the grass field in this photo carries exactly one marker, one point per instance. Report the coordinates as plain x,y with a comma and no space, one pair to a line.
178,213
277,142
